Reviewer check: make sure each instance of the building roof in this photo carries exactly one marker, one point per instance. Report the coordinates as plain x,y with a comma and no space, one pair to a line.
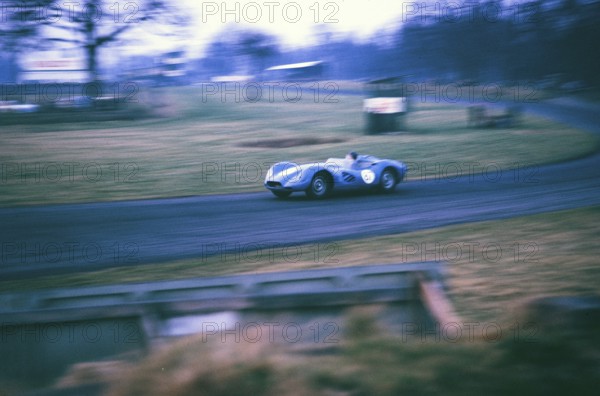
301,65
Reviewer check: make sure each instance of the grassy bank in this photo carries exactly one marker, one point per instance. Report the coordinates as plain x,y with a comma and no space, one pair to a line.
492,266
368,361
206,144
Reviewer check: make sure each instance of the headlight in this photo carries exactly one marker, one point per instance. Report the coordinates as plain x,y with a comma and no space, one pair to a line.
269,174
292,175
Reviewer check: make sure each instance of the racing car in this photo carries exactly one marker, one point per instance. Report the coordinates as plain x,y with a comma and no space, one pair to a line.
319,179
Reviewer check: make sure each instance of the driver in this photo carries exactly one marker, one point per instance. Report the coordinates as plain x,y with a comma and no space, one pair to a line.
350,160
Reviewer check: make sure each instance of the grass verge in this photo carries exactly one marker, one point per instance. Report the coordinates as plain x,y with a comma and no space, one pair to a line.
204,145
492,265
369,362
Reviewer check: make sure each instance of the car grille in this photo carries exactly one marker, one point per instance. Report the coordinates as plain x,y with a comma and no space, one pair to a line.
273,184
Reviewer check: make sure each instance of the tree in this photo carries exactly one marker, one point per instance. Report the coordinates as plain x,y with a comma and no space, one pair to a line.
20,24
88,24
18,29
258,47
241,50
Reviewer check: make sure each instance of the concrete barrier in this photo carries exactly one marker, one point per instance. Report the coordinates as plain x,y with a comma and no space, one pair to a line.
43,332
297,288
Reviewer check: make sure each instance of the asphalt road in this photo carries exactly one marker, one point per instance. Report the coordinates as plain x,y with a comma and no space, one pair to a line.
83,237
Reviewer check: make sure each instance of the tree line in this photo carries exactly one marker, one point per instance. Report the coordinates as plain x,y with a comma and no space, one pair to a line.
489,40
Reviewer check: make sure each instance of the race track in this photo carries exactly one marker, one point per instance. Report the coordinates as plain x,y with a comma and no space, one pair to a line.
83,237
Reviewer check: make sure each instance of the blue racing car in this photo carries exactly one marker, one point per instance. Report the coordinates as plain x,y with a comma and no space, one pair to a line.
319,179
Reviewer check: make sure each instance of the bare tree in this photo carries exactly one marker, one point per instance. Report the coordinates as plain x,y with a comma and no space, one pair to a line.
20,23
88,24
19,28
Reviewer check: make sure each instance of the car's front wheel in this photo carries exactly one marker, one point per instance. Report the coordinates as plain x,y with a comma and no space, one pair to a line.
320,186
281,194
388,181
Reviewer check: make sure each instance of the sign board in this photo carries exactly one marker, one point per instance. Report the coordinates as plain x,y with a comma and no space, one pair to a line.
53,67
385,105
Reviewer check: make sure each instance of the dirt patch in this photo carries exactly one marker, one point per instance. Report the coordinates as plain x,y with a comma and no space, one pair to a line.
289,142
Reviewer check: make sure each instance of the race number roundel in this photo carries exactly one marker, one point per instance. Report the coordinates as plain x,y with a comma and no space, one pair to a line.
368,176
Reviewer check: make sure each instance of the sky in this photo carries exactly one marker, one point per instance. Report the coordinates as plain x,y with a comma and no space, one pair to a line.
295,22
298,22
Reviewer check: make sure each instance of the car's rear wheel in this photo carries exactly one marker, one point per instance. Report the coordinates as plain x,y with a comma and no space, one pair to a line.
281,194
388,181
320,186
